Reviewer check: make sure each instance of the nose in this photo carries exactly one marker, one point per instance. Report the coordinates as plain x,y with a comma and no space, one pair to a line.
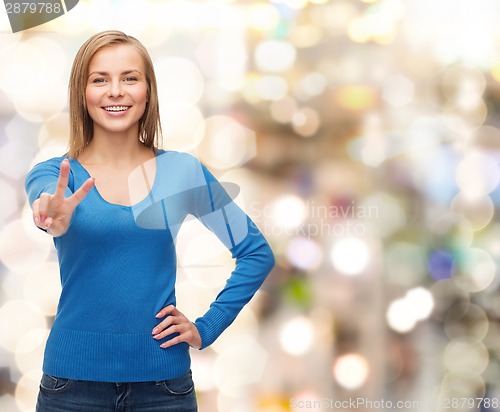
115,89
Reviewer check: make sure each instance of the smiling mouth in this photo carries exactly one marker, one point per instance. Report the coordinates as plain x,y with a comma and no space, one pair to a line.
115,109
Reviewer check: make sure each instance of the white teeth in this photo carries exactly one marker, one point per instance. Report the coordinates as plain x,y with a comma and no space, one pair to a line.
116,108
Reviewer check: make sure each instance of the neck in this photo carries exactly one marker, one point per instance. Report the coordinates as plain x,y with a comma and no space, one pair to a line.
115,149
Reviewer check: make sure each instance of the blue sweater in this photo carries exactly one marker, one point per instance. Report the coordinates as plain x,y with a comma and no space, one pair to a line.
118,269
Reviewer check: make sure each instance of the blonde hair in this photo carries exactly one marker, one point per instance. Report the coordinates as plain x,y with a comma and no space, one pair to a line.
81,124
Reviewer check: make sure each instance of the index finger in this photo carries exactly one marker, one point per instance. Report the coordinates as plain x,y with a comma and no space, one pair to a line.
62,181
170,309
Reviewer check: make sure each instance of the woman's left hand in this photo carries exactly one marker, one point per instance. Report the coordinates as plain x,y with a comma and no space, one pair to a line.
176,322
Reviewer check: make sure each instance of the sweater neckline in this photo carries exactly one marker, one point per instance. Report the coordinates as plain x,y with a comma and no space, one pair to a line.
127,207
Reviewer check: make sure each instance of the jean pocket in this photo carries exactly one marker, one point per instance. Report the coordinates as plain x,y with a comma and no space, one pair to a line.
53,384
181,386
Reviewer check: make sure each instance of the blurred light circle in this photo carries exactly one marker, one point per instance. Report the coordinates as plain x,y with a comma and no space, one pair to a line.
422,302
30,350
75,23
32,340
398,91
296,4
27,390
350,255
29,88
180,83
202,367
204,259
306,121
19,251
181,127
385,212
312,84
446,295
450,231
475,270
297,336
358,30
55,132
466,320
464,121
8,205
223,56
466,357
337,16
477,174
463,85
306,35
243,332
289,211
400,316
224,143
478,210
262,16
17,317
42,286
8,403
463,386
356,97
405,263
270,87
282,110
304,253
35,107
275,56
440,265
191,297
351,371
128,17
234,370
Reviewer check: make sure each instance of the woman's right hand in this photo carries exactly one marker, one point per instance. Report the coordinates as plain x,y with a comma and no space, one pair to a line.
53,212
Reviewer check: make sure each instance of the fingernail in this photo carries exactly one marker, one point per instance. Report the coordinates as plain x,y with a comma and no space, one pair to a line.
158,315
37,221
156,336
163,345
155,330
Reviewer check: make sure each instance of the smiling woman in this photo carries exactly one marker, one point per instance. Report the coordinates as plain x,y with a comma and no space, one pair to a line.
119,342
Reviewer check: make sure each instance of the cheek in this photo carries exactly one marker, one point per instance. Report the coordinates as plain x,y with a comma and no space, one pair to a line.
89,98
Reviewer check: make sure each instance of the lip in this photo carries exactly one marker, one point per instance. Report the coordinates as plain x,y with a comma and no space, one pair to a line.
117,113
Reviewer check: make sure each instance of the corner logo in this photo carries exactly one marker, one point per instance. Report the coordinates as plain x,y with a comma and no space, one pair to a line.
27,14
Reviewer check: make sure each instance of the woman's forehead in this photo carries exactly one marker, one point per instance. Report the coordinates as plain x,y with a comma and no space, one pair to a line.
117,58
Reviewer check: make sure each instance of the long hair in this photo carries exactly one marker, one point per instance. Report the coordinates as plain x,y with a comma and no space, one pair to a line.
81,124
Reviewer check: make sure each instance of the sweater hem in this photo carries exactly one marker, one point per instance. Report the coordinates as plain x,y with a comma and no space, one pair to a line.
113,357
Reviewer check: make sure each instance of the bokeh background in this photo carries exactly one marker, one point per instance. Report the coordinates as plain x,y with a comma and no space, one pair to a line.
364,135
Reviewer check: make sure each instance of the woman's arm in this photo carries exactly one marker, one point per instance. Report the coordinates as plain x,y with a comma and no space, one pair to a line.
212,205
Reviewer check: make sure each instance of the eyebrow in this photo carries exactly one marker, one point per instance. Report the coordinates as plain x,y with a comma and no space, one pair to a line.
123,73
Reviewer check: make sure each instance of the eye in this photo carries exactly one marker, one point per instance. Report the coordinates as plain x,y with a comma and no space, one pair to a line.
98,80
130,79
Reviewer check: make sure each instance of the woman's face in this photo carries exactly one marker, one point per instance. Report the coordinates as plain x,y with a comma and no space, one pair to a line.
116,91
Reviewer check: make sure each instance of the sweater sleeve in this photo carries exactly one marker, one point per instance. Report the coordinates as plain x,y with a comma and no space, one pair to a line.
254,259
43,179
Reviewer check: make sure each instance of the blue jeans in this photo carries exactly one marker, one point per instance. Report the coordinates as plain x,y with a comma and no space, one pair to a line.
67,395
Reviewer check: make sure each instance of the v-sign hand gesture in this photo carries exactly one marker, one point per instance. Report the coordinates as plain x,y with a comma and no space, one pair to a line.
53,212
